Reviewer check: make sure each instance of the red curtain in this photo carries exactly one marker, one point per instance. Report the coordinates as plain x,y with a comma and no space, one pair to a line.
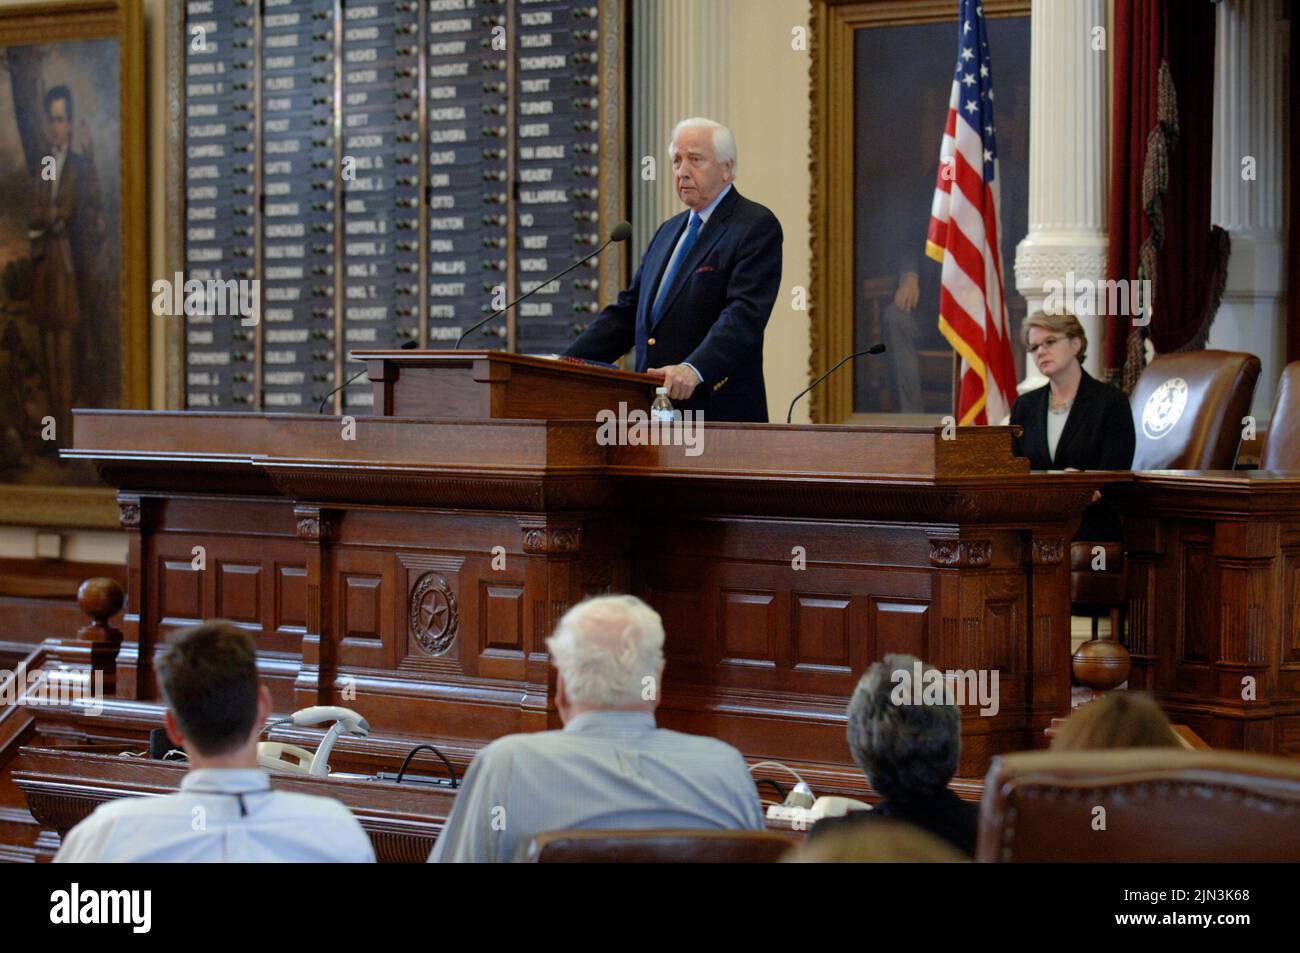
1160,179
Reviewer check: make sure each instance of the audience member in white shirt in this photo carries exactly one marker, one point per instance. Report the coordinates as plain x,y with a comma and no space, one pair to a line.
226,810
610,768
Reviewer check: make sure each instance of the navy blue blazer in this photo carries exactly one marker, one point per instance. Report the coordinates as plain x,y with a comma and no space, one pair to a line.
713,316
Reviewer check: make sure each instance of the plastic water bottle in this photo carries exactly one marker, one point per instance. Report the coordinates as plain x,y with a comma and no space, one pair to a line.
661,411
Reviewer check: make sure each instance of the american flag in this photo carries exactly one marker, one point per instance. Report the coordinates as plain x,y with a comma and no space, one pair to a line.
965,233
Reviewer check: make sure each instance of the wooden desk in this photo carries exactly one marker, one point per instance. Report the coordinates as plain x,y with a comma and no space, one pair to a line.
64,785
1214,603
494,384
420,564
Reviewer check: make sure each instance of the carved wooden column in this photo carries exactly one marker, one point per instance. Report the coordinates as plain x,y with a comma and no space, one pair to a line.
1246,557
1144,554
1048,622
315,682
553,581
961,596
138,633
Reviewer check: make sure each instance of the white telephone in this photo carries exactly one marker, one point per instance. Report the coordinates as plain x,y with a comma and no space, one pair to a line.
831,806
802,818
801,809
291,759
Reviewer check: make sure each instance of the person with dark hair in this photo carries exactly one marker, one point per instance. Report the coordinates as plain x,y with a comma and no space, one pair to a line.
909,752
1116,720
65,228
62,94
226,810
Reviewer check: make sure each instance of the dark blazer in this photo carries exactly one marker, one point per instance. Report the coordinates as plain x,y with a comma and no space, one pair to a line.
713,316
1098,435
945,815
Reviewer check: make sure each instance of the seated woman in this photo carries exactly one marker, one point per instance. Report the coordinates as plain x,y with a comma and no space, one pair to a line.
1074,422
909,753
1116,720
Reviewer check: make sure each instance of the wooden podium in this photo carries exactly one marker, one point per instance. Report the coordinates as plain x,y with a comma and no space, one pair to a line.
412,567
496,385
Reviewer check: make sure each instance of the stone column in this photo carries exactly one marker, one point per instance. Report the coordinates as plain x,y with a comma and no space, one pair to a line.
1069,159
681,66
1247,190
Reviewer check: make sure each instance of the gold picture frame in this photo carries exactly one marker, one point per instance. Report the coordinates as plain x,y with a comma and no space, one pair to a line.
831,304
33,35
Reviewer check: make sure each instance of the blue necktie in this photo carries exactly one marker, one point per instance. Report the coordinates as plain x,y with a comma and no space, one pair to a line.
692,231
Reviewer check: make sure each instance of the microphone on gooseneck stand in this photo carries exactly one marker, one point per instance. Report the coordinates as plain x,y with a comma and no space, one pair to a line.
408,346
619,233
874,349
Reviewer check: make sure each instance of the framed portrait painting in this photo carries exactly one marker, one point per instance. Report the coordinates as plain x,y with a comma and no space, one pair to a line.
881,80
73,235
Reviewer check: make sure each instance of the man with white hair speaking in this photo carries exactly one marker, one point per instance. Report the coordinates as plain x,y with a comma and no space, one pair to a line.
609,768
698,304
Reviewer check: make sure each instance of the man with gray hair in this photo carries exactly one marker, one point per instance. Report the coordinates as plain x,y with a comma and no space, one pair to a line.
908,745
609,768
698,305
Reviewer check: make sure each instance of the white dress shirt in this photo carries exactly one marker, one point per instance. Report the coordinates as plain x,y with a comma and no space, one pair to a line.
703,215
606,770
219,816
1055,427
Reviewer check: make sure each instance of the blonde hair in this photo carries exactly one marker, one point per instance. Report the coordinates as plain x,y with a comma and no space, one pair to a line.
1116,720
1065,323
881,840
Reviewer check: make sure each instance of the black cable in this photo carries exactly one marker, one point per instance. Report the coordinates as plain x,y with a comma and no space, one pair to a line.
874,349
780,791
455,779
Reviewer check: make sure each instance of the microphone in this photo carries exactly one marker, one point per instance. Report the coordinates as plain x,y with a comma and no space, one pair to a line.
874,349
408,346
619,233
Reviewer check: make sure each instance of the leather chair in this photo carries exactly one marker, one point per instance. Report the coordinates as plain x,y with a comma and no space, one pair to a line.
1215,394
1161,804
1192,425
1282,445
659,847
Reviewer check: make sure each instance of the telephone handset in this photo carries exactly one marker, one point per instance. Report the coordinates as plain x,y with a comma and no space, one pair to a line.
291,759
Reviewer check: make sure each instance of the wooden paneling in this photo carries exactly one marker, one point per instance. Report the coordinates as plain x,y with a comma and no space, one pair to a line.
1289,641
1213,602
748,627
423,565
363,597
239,592
502,629
180,592
899,628
820,630
290,599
